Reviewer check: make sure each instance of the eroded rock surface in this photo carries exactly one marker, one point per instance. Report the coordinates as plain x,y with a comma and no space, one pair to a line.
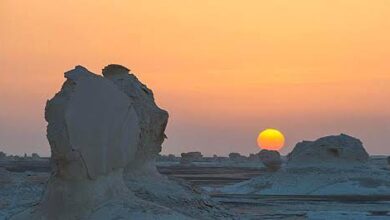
94,133
329,150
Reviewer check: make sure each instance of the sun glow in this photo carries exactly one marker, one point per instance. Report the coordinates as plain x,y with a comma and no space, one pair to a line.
270,139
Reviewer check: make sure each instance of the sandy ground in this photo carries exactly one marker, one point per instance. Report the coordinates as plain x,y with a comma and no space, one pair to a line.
24,186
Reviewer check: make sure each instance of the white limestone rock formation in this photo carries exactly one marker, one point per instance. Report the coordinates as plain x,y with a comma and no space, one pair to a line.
93,131
333,165
141,174
328,151
271,159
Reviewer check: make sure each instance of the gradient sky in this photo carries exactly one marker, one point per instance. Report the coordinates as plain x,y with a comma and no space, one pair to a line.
225,70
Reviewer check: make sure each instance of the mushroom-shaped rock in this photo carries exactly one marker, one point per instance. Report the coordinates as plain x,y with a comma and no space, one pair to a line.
329,151
92,122
271,159
93,134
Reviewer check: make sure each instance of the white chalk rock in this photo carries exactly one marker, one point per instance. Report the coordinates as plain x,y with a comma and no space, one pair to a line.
93,134
329,150
97,127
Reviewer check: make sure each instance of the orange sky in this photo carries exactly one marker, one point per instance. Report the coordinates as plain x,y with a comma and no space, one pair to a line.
224,70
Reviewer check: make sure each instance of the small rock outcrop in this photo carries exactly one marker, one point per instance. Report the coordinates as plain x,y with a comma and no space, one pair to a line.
236,157
189,157
271,159
329,150
93,134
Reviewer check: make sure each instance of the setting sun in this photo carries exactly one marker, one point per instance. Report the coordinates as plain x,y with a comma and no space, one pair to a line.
270,139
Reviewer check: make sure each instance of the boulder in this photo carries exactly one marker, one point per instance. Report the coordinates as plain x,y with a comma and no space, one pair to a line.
330,150
35,156
271,159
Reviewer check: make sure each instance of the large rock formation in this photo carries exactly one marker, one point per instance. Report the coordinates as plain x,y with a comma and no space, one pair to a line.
329,151
189,157
94,133
97,128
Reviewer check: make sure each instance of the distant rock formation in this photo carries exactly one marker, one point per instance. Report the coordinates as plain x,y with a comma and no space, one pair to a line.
188,158
332,165
328,151
271,159
237,157
35,156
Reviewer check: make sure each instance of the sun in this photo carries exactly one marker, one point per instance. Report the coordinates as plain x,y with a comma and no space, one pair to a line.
270,139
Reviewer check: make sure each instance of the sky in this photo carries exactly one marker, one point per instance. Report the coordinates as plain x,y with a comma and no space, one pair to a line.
224,70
